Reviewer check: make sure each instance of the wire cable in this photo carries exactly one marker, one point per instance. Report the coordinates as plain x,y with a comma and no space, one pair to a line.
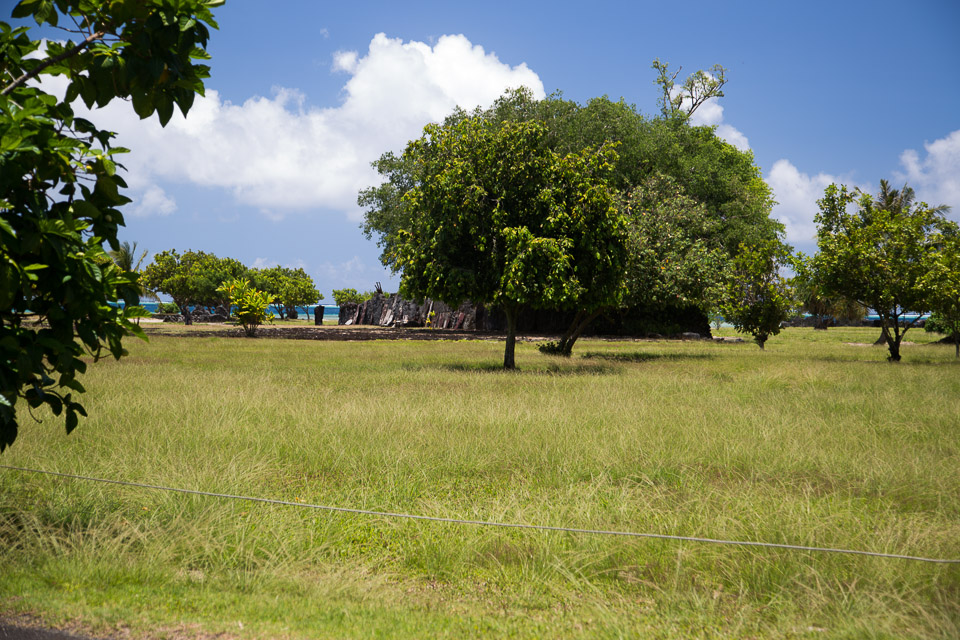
487,523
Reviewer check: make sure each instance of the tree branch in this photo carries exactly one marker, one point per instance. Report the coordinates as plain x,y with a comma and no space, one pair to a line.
96,35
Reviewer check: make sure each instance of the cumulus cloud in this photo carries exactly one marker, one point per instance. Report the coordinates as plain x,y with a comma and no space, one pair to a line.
152,201
280,154
710,114
936,175
797,194
357,274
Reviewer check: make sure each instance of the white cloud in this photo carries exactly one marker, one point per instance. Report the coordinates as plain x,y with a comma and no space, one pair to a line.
281,154
935,177
345,61
269,263
733,136
356,274
152,201
796,194
710,114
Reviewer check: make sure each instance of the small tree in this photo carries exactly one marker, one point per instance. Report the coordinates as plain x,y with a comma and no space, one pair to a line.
249,304
192,279
758,298
288,288
880,257
497,217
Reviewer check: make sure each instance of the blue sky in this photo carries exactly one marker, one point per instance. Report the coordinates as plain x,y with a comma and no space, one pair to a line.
303,95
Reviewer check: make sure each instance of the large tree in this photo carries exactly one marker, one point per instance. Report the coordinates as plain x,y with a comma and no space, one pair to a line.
497,217
60,193
718,184
879,256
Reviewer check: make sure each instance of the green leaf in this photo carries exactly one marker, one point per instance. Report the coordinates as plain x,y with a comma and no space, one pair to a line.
72,421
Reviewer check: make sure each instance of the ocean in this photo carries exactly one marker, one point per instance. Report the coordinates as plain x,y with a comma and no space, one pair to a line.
331,313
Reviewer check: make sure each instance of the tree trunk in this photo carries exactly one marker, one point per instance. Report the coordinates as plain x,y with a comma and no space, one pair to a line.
894,351
956,342
893,342
510,347
577,327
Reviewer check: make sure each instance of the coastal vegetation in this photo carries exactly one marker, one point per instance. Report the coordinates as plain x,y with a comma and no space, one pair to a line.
813,441
197,279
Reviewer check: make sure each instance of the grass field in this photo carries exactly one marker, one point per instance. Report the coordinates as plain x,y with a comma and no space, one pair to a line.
814,441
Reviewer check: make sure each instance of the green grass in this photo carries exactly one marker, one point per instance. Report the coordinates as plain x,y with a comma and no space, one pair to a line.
812,442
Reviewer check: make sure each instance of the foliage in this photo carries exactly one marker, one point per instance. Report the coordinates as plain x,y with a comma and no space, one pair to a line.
936,323
192,279
167,307
942,283
345,296
59,187
672,261
248,303
497,217
880,257
808,290
718,187
288,288
715,174
683,101
758,298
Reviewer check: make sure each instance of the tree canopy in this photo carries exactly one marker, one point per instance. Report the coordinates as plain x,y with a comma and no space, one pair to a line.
288,288
716,199
880,254
60,193
192,279
498,217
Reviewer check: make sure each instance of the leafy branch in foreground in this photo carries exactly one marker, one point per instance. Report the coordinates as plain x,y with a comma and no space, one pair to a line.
60,193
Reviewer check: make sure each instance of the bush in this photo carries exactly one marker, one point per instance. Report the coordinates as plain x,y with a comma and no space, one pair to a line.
345,296
936,323
250,304
167,307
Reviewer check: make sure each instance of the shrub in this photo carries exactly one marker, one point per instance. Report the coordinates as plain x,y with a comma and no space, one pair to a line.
167,307
250,304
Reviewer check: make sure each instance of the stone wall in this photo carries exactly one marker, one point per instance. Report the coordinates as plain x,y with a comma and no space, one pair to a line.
394,311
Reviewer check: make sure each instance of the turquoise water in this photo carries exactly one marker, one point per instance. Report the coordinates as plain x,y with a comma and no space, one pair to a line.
330,312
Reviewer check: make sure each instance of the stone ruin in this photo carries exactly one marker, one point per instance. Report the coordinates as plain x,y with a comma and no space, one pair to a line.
394,311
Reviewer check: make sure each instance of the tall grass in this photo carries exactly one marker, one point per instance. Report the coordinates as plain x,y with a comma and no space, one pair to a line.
811,442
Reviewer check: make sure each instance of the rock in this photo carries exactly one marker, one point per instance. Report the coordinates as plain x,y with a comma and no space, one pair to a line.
689,335
318,315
